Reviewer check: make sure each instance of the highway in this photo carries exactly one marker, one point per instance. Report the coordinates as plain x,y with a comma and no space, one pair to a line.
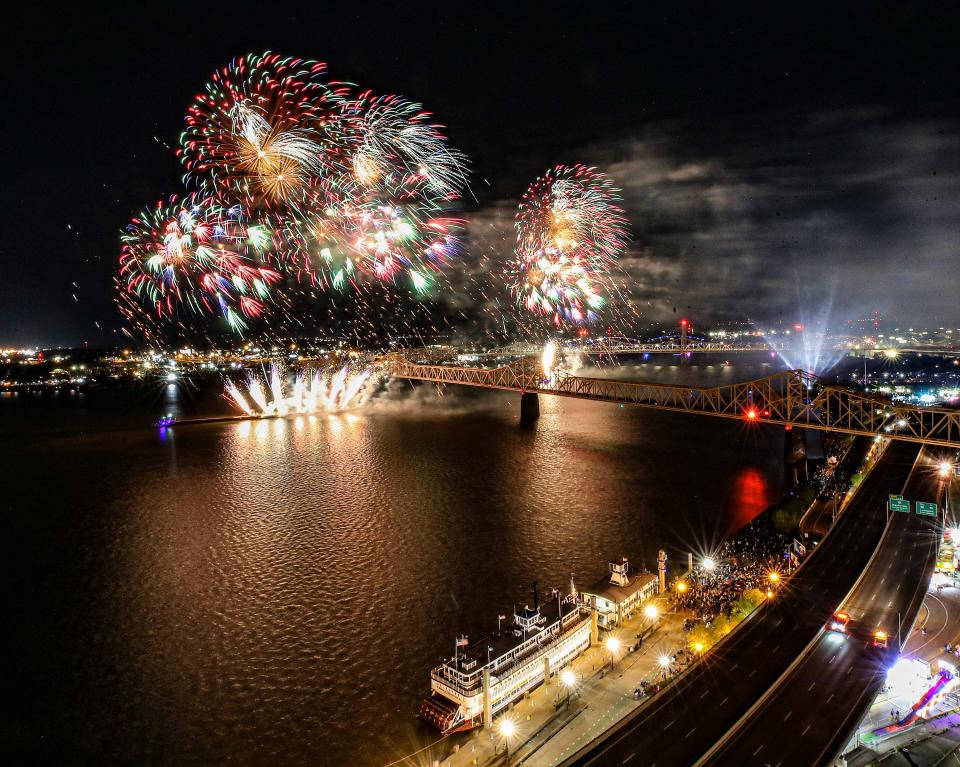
819,516
679,725
811,714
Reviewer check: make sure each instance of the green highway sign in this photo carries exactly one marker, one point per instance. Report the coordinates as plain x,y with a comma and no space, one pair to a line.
927,509
899,504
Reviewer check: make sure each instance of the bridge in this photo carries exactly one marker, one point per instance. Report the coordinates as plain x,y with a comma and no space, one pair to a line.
613,345
790,398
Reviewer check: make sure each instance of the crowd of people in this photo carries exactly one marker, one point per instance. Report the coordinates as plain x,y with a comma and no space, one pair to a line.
745,562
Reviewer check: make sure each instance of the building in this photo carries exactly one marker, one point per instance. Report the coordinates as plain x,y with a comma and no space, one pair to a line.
618,596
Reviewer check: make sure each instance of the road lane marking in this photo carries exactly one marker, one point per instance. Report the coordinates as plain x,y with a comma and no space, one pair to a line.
789,714
629,758
759,749
812,685
805,730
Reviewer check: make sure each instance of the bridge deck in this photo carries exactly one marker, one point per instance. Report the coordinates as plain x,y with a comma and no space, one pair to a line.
790,398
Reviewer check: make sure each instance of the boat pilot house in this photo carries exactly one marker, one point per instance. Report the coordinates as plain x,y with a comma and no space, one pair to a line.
619,595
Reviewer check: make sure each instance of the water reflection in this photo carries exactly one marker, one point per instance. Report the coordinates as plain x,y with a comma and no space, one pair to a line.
269,590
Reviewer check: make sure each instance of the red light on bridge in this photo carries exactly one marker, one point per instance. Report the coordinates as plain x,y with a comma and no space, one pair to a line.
751,415
684,323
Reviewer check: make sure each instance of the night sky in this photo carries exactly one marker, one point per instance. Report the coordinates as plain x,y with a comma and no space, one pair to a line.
774,164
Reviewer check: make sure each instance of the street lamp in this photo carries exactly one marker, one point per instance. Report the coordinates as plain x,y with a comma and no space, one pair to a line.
664,661
569,679
507,730
681,586
612,644
774,576
708,564
946,469
651,612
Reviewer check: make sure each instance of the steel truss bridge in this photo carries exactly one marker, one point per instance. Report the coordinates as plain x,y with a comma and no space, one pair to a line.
791,398
672,344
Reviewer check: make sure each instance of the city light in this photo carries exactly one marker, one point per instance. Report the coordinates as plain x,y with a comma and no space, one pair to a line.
774,576
681,586
664,661
698,647
751,415
769,594
568,678
612,644
709,564
651,611
946,469
507,729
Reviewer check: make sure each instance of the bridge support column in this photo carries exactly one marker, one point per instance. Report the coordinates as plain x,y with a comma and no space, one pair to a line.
487,707
795,454
529,407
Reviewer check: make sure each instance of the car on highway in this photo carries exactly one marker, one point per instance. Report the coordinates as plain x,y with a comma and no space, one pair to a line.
838,622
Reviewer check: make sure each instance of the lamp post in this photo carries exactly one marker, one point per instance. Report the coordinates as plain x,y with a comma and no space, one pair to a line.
569,679
664,661
507,730
651,613
613,646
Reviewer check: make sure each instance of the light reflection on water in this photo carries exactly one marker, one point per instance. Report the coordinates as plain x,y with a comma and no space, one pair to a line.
278,590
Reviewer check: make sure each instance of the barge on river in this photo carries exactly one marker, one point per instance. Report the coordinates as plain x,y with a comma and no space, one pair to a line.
485,677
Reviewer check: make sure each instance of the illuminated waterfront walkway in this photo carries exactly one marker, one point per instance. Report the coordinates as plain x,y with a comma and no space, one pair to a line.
601,696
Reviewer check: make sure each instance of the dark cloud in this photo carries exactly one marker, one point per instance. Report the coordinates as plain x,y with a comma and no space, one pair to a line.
779,215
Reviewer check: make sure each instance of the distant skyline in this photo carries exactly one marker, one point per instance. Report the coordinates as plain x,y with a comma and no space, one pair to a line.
772,166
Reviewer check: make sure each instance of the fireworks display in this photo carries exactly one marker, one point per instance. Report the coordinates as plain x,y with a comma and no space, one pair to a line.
259,131
317,391
384,210
195,257
351,189
313,196
570,232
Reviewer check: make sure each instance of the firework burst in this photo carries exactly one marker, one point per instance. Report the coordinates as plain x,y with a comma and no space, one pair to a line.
259,130
570,232
195,257
384,211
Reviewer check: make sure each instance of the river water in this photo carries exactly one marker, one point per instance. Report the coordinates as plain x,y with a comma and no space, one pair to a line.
276,592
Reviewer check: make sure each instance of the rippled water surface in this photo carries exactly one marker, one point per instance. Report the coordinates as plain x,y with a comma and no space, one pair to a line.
277,591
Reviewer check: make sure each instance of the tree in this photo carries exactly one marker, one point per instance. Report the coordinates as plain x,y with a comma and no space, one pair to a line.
720,627
699,639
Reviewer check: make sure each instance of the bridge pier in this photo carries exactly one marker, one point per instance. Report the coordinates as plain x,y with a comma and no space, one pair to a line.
795,454
529,407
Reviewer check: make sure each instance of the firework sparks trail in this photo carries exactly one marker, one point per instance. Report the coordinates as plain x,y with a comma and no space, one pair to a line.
320,392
